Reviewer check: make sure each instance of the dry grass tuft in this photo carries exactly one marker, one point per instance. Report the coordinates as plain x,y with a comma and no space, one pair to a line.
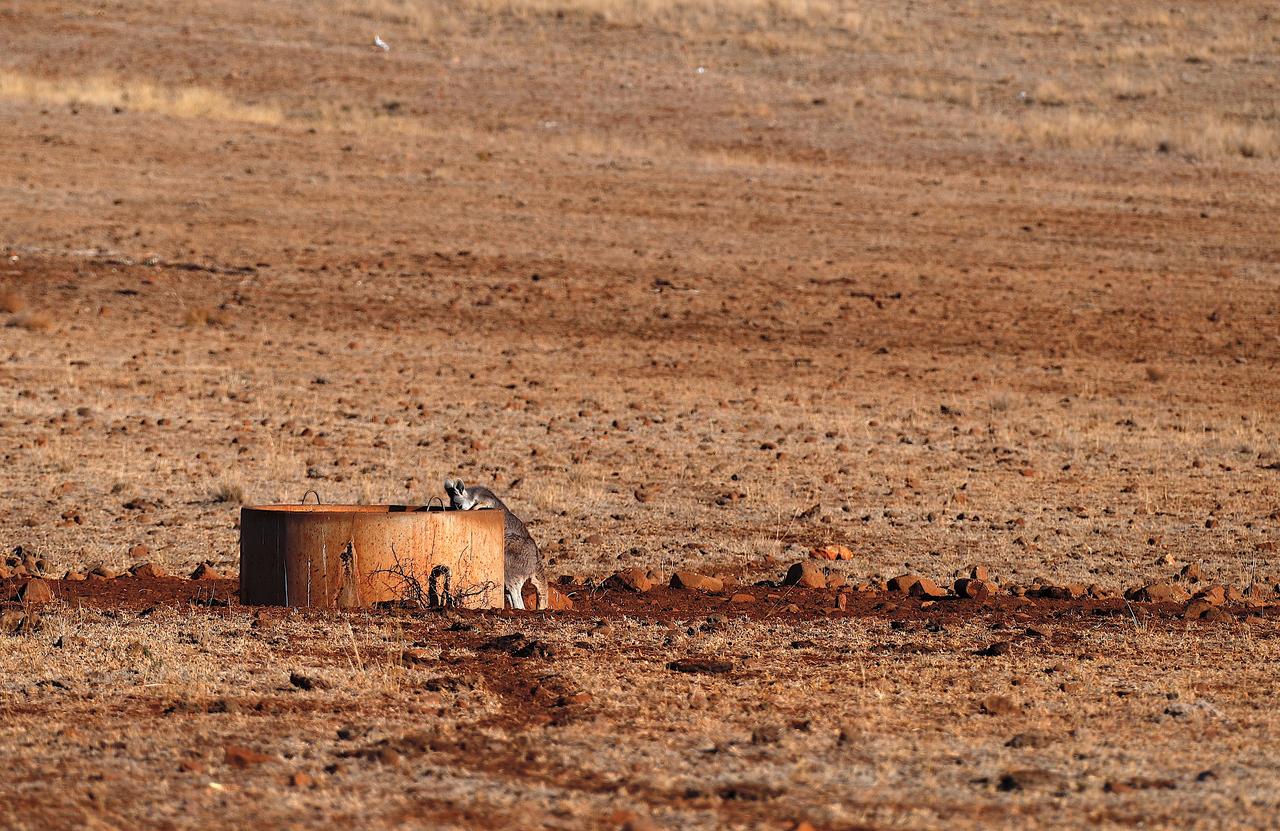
33,321
1049,94
410,14
1214,138
229,492
938,92
11,302
107,91
1124,88
206,316
425,19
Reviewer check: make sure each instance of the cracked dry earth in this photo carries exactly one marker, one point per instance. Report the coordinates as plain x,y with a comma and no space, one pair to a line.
702,321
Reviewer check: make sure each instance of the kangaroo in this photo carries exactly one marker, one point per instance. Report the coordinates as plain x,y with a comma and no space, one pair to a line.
523,559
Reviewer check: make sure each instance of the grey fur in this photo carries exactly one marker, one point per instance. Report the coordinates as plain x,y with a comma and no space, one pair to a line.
523,559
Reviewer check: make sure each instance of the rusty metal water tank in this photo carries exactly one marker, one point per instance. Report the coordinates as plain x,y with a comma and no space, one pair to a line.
350,556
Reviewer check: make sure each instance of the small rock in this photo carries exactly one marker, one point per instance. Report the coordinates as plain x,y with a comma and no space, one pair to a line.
1163,592
347,732
998,705
743,597
1139,784
849,733
243,757
1192,573
697,582
842,601
417,657
1202,610
102,572
974,589
632,579
148,571
924,587
557,600
139,552
205,571
1022,780
1030,739
1071,591
308,682
701,666
533,649
74,576
505,643
766,734
1213,595
996,649
903,583
805,574
981,573
300,780
190,766
36,591
832,552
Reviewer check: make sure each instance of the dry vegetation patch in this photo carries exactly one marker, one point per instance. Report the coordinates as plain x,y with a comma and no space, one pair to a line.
1215,138
123,95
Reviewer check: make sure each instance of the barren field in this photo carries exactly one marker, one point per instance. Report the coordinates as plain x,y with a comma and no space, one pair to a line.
698,287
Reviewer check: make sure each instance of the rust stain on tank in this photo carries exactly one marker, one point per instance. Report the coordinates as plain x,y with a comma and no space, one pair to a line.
349,556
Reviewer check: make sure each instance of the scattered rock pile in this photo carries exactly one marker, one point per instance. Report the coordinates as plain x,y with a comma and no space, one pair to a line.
1201,598
1190,586
21,563
832,552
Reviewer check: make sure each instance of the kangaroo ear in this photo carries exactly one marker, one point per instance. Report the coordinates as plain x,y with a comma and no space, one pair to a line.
449,486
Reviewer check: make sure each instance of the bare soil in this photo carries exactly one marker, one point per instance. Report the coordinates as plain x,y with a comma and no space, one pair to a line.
689,292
